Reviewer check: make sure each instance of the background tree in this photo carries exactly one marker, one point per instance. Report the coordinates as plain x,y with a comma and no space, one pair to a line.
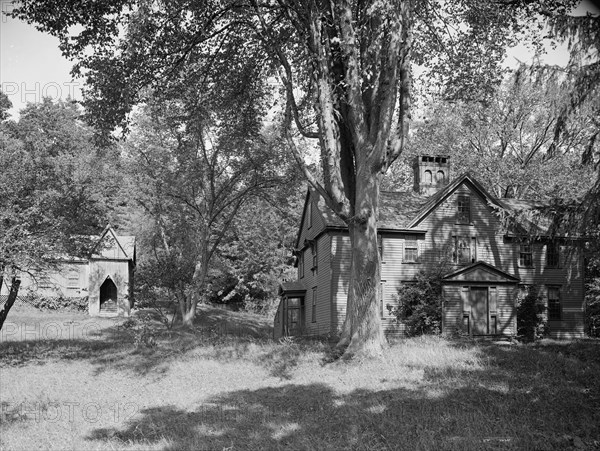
56,188
345,73
191,176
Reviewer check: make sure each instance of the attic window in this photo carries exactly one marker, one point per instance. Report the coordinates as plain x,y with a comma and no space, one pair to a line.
439,177
309,215
463,206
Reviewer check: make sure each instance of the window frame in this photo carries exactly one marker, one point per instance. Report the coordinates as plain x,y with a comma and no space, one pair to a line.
411,239
554,304
313,313
456,239
309,215
315,256
463,209
524,254
552,251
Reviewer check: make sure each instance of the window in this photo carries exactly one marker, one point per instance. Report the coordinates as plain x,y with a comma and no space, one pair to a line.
44,282
462,252
525,254
73,279
463,213
314,305
380,247
309,215
427,177
439,177
411,249
381,293
554,312
552,255
315,258
301,264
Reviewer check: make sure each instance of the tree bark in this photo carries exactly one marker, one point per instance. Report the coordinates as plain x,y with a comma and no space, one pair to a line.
12,297
362,332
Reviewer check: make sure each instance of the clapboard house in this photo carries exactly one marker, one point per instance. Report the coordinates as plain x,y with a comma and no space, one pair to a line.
454,223
105,277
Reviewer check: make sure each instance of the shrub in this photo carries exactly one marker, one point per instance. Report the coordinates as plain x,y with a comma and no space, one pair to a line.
56,302
592,308
531,321
420,304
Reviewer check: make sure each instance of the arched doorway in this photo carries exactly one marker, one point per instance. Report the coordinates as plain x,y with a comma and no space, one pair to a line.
108,296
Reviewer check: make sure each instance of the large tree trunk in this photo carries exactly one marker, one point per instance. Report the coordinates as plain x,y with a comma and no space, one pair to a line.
362,332
12,297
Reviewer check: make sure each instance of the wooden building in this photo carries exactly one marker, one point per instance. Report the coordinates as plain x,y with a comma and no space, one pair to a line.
441,221
106,277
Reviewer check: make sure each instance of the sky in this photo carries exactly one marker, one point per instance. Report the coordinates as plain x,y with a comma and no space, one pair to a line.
32,67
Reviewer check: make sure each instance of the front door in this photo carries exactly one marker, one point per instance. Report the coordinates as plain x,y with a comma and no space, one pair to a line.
479,310
294,316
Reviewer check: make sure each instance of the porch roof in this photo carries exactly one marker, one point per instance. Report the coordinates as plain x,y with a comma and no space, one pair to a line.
295,287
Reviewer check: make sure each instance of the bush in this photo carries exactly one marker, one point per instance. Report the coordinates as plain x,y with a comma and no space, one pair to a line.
420,304
592,308
531,321
56,302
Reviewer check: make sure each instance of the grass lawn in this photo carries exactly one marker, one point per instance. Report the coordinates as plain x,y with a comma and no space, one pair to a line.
68,381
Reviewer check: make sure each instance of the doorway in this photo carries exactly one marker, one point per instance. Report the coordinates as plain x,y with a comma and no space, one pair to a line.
294,316
108,296
479,310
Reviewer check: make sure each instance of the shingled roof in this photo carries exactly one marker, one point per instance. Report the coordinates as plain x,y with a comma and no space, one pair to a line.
396,209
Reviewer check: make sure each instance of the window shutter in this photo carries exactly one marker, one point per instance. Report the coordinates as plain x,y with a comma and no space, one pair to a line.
402,250
420,249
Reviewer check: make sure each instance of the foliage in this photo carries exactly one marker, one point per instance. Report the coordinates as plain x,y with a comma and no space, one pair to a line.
345,80
531,320
508,142
592,285
56,302
57,188
191,176
420,304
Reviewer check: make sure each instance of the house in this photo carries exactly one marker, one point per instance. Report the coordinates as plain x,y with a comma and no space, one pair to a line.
105,277
455,223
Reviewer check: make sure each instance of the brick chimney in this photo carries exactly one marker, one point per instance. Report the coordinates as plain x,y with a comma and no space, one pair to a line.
431,173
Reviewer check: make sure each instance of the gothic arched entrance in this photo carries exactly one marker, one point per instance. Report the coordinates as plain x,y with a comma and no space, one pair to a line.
108,296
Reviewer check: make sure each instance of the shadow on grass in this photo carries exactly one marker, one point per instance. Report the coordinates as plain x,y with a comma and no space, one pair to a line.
143,345
315,416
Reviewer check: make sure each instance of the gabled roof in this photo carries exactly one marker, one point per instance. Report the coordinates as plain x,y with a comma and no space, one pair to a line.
480,272
404,211
125,242
445,192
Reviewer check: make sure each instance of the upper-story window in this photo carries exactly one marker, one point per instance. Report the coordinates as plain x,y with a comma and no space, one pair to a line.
525,254
301,264
315,257
464,249
552,255
309,215
380,248
463,209
411,249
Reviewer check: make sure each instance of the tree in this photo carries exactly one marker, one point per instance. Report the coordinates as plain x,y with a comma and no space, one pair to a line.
509,141
345,73
53,192
191,177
